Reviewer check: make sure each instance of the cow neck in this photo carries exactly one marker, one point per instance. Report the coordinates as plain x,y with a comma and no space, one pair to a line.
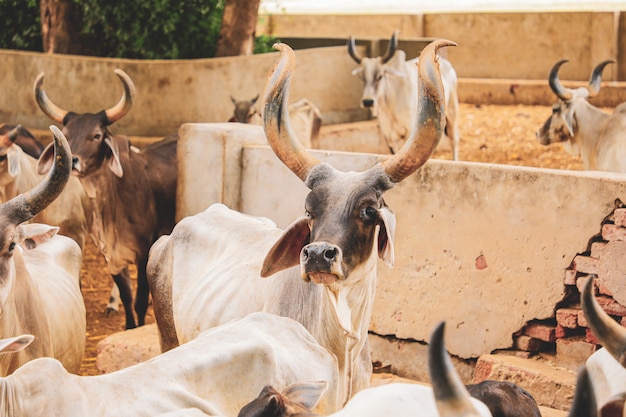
591,129
9,405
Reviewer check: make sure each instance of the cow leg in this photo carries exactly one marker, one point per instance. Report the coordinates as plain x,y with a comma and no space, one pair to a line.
122,280
114,301
142,295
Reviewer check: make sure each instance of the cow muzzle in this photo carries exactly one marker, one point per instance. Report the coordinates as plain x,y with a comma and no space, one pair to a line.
76,165
320,262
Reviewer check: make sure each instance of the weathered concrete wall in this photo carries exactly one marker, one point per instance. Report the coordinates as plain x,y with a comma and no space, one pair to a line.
170,93
481,246
491,45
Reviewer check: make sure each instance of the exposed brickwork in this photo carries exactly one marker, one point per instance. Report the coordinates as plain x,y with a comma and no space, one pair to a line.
567,336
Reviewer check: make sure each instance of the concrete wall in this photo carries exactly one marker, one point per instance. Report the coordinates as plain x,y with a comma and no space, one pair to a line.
491,45
482,246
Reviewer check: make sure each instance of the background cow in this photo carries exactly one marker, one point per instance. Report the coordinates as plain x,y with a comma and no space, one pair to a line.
132,193
214,375
39,275
24,139
389,90
585,130
322,267
18,174
306,118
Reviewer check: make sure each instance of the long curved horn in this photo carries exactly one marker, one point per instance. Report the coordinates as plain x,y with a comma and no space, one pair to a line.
352,50
584,403
27,205
555,84
391,48
596,77
48,107
611,334
10,137
452,397
276,117
429,123
123,106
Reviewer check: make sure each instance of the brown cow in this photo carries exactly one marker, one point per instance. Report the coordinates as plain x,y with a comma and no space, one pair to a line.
24,139
132,192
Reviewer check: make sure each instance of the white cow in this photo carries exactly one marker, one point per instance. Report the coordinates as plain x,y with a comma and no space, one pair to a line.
389,86
605,366
214,374
321,269
306,118
39,275
447,397
18,174
585,130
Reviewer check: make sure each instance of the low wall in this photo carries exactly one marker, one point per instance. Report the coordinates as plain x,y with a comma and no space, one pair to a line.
484,247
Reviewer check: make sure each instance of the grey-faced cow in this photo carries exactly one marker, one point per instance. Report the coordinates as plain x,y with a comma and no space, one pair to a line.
585,130
447,397
212,375
605,366
24,139
18,174
322,267
132,192
40,273
305,117
389,86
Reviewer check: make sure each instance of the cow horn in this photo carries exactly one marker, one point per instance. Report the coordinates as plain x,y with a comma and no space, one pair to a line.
430,117
596,77
123,106
48,107
352,50
27,205
584,403
610,334
276,117
10,137
555,84
451,396
391,48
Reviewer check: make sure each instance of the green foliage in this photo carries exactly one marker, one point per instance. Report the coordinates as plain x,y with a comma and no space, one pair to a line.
153,29
263,44
21,25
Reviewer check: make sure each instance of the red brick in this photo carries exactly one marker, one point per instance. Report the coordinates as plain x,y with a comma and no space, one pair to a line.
585,264
582,280
570,277
619,217
571,353
540,331
602,288
590,337
611,306
582,322
567,317
613,232
528,344
596,249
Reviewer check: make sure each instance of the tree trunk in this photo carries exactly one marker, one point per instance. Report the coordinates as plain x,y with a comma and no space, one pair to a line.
60,27
238,28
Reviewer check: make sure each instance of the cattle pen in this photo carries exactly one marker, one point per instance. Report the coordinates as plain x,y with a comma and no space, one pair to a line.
494,244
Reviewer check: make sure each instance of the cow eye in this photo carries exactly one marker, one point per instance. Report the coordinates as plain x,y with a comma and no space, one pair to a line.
309,215
11,246
368,213
97,136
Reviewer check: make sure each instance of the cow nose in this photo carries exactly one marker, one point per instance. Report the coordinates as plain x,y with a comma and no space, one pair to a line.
368,102
75,163
319,255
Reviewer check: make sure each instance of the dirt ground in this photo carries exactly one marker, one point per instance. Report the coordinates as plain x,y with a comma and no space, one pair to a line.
489,133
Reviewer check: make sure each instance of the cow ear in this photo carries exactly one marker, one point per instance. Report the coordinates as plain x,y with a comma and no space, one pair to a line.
386,236
14,156
286,251
45,159
32,235
306,393
114,162
568,118
15,344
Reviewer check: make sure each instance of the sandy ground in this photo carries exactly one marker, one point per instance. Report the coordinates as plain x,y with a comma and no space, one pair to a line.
489,133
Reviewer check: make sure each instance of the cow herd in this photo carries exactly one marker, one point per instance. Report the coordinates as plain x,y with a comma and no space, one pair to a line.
253,320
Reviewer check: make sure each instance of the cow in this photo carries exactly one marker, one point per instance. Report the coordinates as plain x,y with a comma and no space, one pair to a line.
306,118
40,274
585,130
447,397
389,86
24,139
132,193
605,366
19,173
214,375
323,266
